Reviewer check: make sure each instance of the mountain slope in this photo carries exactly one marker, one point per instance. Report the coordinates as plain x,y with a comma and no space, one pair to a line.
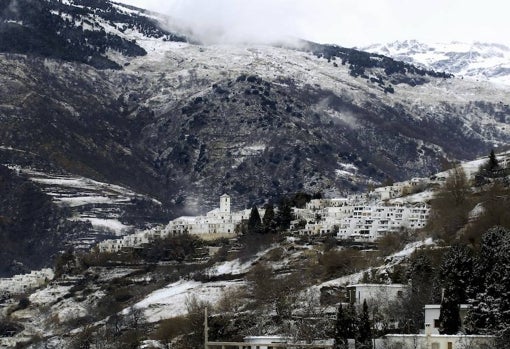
185,123
482,61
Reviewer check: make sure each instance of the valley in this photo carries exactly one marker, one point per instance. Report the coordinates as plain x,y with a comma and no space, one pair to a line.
383,169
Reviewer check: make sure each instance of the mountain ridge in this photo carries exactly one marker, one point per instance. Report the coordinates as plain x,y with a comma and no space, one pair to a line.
477,60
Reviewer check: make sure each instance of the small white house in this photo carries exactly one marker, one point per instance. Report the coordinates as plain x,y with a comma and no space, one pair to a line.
358,293
22,283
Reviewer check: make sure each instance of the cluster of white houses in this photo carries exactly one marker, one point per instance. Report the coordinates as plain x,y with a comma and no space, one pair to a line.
219,222
20,284
357,217
351,219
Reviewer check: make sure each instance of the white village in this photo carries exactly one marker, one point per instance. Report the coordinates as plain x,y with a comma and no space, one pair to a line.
361,218
358,218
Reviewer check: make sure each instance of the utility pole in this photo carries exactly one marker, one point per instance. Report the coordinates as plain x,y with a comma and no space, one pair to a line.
206,330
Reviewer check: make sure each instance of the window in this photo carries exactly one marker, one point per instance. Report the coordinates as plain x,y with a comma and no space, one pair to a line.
450,345
437,323
435,345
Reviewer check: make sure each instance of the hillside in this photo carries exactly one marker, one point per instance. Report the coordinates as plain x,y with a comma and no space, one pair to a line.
186,122
261,284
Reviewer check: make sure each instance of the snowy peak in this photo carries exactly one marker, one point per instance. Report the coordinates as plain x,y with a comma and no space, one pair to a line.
483,61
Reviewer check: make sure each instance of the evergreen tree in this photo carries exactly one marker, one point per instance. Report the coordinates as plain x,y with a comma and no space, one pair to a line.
353,327
490,311
254,222
341,325
449,316
455,275
268,222
345,325
421,274
364,337
284,215
456,272
493,163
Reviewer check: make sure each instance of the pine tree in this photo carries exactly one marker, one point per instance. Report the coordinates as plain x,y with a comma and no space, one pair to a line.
449,316
364,337
421,274
493,163
490,311
284,215
455,275
268,222
456,272
346,325
254,222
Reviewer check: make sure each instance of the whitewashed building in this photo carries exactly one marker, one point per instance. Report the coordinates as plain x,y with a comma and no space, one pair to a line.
20,284
131,241
363,222
218,221
381,293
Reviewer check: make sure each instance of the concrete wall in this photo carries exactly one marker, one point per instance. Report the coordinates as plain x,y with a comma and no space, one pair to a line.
421,341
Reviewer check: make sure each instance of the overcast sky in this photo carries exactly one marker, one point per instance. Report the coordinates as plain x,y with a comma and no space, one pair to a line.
343,22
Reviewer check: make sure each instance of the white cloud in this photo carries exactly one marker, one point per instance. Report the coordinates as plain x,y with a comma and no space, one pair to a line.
344,22
236,21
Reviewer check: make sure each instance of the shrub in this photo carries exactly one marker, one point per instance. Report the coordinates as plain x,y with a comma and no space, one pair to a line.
169,329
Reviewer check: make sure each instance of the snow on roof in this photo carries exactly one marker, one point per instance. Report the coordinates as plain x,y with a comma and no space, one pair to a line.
108,223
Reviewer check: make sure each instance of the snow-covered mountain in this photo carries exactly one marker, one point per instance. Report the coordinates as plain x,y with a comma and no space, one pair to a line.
100,91
480,61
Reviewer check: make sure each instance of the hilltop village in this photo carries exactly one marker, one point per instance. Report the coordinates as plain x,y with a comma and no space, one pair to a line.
358,217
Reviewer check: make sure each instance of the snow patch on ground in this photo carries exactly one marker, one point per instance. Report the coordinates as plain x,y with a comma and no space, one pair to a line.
49,294
171,300
82,200
343,173
410,248
235,267
111,224
423,197
252,150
